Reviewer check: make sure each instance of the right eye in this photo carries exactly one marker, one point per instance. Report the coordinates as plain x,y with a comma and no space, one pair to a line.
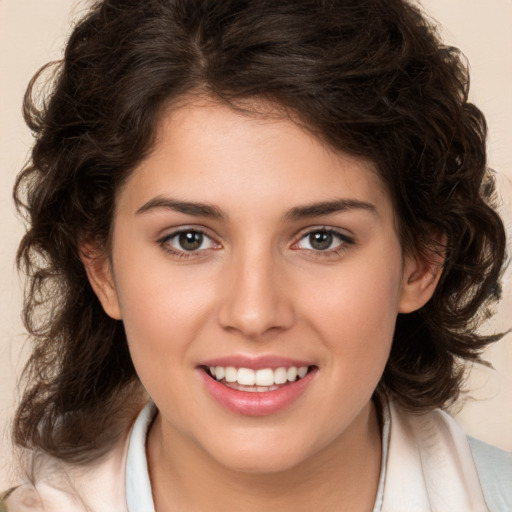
186,241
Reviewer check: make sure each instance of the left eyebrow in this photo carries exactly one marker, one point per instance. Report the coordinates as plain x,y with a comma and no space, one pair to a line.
328,207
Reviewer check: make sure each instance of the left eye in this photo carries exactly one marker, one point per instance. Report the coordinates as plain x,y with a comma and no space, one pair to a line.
321,240
189,241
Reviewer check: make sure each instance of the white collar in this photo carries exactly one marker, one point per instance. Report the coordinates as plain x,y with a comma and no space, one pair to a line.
138,487
427,465
139,497
430,466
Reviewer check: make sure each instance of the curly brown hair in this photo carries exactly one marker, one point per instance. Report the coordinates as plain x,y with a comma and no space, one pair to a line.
367,77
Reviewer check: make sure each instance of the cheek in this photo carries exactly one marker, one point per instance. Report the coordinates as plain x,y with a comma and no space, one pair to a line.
157,334
163,311
358,313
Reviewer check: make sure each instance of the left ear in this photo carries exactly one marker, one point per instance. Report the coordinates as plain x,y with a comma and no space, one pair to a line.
420,277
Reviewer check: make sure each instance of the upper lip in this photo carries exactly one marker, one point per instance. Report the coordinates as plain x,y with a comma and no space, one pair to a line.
255,362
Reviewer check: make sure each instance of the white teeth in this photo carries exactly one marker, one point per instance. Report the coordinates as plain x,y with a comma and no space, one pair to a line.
280,376
264,379
230,374
302,371
246,377
251,389
262,389
219,372
291,373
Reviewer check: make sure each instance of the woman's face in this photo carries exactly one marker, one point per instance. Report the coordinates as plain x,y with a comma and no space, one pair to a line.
242,243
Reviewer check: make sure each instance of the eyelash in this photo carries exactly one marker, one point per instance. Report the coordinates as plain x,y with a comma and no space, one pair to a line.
164,242
344,242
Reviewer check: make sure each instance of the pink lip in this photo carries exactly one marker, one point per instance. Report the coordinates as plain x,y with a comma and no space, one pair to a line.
255,363
257,403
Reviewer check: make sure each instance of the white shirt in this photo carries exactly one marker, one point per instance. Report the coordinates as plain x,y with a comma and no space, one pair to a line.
138,487
427,466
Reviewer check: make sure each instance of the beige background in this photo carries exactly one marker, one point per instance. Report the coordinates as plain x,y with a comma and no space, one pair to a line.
34,31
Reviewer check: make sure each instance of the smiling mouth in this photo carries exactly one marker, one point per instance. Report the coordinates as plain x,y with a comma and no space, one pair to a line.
260,381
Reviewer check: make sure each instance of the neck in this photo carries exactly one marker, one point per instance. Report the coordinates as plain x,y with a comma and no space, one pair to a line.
342,476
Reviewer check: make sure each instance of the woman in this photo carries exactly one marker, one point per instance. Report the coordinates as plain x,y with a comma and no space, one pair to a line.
275,220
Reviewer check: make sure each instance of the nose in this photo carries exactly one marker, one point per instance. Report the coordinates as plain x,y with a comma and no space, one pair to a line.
256,301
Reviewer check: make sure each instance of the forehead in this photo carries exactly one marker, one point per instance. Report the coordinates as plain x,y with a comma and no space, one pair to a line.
207,151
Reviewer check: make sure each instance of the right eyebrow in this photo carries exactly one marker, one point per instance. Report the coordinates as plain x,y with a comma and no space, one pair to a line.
186,207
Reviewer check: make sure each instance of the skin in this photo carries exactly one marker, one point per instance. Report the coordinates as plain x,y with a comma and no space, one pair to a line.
257,286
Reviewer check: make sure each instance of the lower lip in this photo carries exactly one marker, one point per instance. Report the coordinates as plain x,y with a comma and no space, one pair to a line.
257,403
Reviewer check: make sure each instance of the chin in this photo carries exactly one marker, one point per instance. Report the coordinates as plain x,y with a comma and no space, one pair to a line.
258,465
260,457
